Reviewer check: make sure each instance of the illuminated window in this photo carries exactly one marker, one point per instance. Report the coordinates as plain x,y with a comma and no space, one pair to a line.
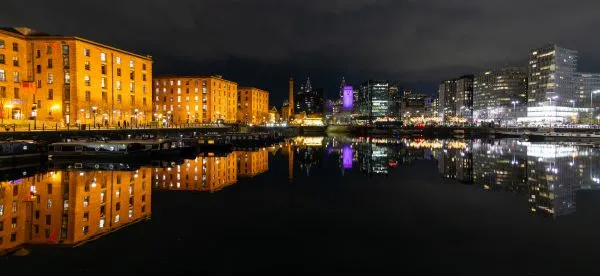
131,64
118,85
103,57
86,52
86,201
118,59
117,218
2,75
131,87
15,61
50,78
16,76
87,80
2,44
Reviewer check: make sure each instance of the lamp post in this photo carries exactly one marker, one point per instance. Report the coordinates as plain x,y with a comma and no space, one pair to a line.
94,111
8,112
555,111
573,102
135,112
514,103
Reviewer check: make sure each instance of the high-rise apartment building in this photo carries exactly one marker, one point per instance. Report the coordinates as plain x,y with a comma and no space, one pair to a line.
586,85
500,94
309,100
253,105
551,72
456,99
374,100
194,99
463,102
446,100
69,80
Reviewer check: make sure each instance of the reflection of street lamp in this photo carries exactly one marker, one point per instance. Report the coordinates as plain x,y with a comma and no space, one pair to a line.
514,103
8,112
94,110
555,108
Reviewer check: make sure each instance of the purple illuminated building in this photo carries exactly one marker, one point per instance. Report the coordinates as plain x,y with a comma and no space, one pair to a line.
347,98
347,154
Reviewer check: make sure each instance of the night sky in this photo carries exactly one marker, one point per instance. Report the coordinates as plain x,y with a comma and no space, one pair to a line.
263,42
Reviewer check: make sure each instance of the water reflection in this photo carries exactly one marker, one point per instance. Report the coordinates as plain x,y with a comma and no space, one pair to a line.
71,206
72,203
211,173
78,202
548,175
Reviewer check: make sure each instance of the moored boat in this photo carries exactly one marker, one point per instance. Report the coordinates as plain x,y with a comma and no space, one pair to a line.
20,152
99,149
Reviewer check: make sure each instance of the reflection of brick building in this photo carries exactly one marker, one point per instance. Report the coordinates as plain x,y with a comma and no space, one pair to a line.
210,174
251,163
71,207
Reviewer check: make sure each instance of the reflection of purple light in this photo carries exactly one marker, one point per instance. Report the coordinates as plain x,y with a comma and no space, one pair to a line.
347,98
347,157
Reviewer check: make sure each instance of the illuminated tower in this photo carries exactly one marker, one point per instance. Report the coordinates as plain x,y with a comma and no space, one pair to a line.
291,98
342,86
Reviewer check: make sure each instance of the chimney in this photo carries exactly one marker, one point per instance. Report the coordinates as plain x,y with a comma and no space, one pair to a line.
291,98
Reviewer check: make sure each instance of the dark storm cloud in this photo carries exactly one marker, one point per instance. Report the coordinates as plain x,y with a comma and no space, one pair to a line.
410,40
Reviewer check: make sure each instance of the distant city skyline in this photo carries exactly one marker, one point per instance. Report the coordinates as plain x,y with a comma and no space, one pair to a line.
417,43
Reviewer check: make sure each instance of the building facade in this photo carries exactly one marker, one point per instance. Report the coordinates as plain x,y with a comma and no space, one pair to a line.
446,100
309,100
374,101
195,100
70,81
463,104
500,94
413,105
588,85
253,105
551,72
